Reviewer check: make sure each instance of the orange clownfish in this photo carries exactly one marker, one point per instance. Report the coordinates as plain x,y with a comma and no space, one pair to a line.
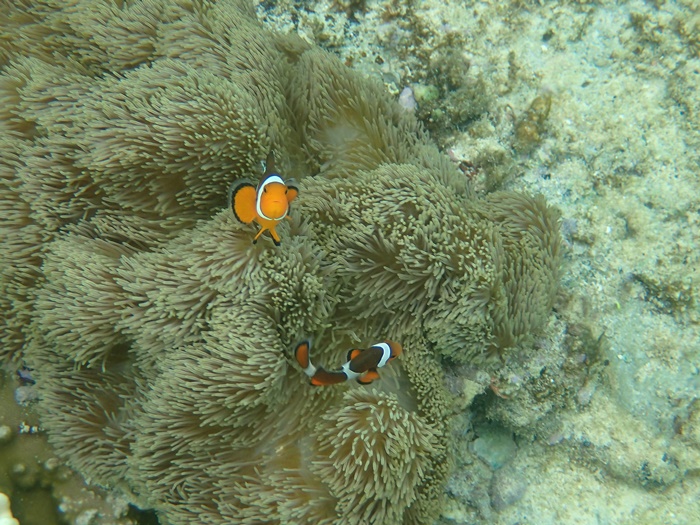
361,365
267,204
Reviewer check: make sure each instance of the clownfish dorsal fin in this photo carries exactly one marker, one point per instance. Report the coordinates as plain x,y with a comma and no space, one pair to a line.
269,164
353,353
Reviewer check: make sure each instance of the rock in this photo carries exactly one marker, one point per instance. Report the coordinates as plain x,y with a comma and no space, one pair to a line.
5,434
507,487
494,446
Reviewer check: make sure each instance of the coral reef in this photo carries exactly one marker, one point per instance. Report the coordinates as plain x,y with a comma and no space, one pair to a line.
160,336
42,488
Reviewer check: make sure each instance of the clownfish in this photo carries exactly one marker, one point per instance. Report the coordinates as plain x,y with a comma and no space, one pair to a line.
361,364
267,204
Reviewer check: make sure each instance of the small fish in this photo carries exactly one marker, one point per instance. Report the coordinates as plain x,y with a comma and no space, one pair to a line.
267,204
361,365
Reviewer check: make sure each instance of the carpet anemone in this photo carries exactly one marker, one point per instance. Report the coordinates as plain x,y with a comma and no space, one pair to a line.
161,338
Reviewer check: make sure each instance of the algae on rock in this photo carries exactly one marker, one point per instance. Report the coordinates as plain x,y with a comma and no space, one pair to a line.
160,335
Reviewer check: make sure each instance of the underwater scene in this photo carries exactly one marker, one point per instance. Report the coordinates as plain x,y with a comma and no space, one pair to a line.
347,262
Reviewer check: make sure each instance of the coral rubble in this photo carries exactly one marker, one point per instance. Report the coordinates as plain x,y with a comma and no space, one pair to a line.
160,336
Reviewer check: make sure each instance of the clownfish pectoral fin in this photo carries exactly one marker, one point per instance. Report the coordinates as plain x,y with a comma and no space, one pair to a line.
323,377
241,199
302,353
368,377
292,191
353,353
